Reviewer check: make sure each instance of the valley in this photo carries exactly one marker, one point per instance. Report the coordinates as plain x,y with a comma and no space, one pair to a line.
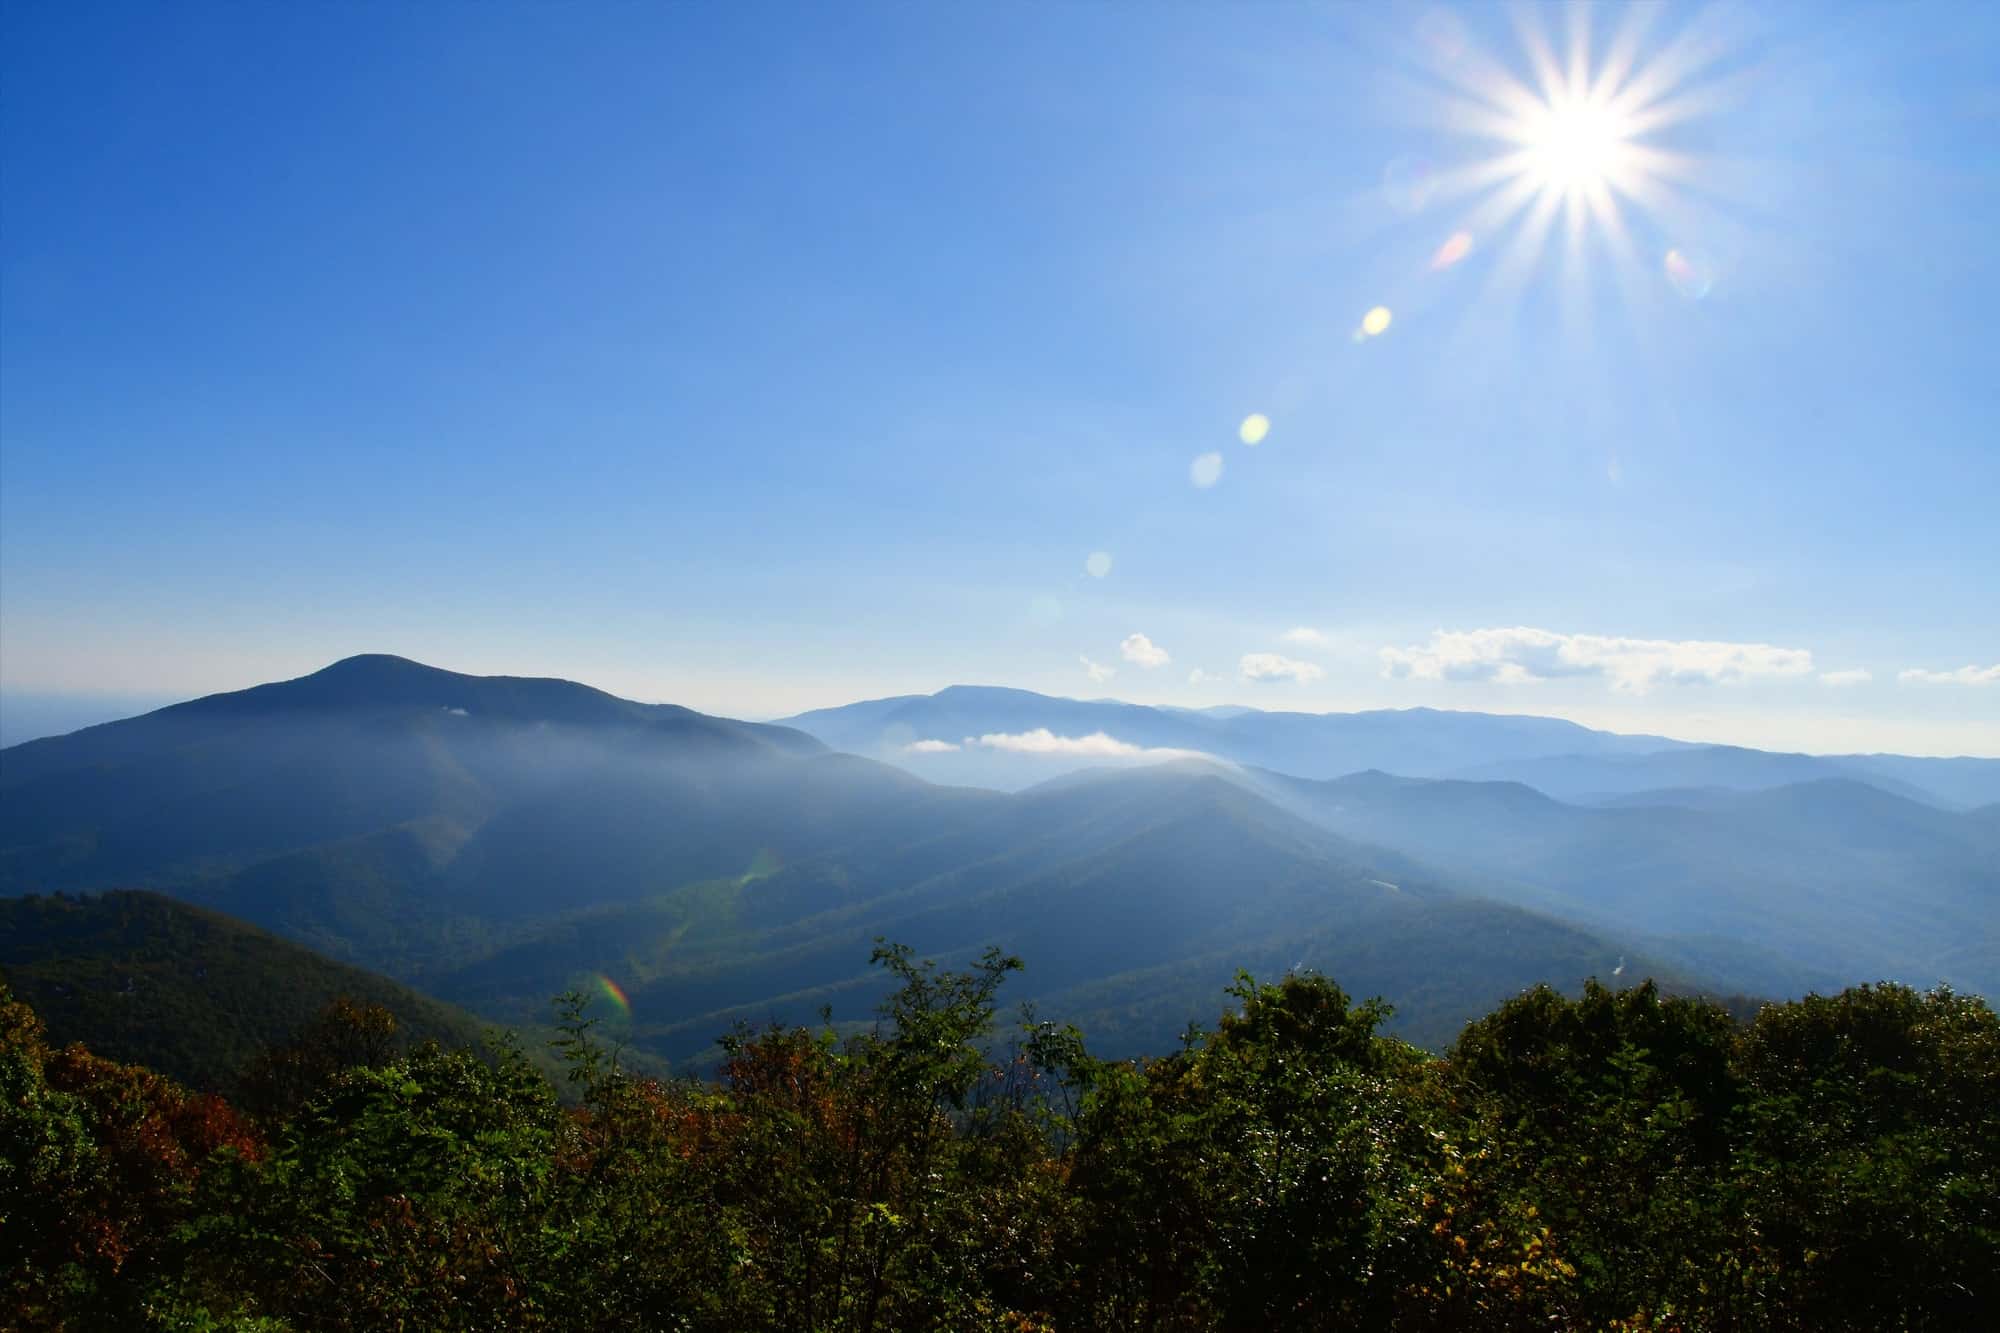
493,841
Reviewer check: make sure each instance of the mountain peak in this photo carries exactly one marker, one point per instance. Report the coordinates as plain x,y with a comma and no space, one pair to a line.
377,665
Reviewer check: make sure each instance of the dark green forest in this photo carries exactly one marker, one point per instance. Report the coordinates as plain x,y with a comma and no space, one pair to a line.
189,993
1617,1160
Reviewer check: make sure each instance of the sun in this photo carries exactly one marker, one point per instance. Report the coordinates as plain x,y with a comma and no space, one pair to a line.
1574,145
1585,141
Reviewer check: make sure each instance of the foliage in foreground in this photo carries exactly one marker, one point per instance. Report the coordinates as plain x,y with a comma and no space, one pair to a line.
1621,1160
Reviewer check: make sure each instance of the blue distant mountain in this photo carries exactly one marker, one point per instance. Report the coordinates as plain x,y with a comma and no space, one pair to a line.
1561,758
1783,888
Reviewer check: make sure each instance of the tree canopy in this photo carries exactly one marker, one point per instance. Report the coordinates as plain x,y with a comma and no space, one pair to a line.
1616,1160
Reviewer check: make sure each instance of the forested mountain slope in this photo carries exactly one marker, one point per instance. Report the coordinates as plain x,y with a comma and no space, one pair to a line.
186,991
1137,894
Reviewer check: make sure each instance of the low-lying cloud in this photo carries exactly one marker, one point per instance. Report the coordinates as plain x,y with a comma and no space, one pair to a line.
1520,655
1097,671
930,747
1097,745
1965,675
1273,666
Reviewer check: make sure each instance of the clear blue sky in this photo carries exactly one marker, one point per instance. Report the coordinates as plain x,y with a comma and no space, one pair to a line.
760,357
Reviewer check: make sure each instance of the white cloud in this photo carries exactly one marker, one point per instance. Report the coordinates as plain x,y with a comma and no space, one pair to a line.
1206,470
458,712
1518,655
1097,564
1200,677
929,747
1098,672
1041,740
1857,676
1142,650
1097,745
1270,666
1965,675
1305,636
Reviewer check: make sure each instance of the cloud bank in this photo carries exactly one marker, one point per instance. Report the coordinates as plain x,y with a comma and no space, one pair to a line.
1519,655
929,747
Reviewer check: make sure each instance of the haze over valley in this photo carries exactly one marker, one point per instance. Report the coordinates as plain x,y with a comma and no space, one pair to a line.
496,840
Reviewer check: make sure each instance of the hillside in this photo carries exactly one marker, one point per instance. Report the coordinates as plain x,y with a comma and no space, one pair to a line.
1136,895
191,993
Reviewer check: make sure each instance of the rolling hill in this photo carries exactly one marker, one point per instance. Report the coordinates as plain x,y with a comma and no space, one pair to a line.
141,978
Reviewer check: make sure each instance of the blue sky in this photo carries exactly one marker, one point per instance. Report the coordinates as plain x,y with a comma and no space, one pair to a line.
763,357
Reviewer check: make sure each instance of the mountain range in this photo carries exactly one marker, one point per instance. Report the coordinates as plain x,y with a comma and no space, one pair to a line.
974,734
493,840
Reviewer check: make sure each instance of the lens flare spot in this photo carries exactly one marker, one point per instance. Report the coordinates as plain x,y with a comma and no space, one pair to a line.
1691,272
1374,324
1097,564
1456,247
1206,470
1408,182
614,993
1254,428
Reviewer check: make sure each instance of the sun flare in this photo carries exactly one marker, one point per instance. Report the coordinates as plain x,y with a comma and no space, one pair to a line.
1587,145
1575,145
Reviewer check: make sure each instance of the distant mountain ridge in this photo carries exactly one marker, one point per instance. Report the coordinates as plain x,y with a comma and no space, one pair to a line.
1562,758
1818,880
